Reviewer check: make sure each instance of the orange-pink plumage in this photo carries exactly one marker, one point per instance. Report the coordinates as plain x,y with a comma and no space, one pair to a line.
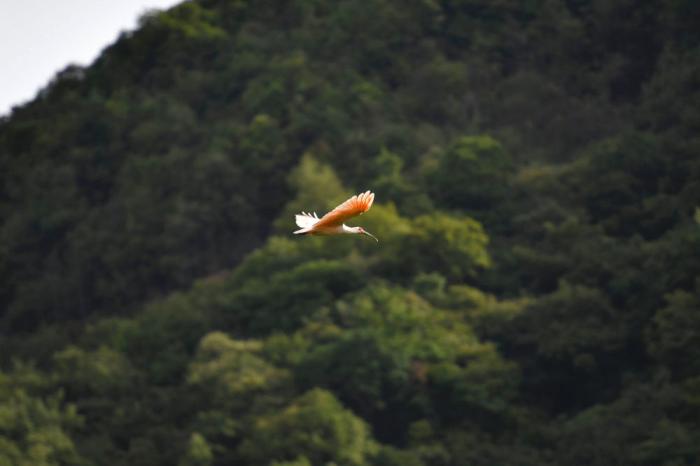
333,222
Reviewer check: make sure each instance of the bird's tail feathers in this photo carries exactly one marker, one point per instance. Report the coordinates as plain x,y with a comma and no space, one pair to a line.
305,220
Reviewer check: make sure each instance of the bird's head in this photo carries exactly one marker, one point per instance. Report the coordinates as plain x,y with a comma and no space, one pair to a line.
365,232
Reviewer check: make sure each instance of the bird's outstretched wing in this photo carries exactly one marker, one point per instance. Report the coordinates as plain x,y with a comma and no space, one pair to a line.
356,205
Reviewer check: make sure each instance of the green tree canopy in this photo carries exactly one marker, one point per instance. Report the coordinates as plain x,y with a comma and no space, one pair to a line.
314,426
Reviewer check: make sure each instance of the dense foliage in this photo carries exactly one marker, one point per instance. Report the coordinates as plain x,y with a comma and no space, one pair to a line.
534,298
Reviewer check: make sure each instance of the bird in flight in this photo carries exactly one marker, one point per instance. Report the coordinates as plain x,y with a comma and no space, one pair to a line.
332,222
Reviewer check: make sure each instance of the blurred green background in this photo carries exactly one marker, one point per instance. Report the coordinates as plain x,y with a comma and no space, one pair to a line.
534,298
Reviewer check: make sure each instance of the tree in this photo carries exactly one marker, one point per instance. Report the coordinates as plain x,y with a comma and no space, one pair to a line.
314,426
453,247
318,189
283,299
198,453
35,430
472,174
574,332
673,336
232,373
401,360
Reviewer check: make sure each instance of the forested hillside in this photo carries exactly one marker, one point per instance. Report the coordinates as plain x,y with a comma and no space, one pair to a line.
534,298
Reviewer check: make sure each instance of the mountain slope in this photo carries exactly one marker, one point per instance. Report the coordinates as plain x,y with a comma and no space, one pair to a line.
533,297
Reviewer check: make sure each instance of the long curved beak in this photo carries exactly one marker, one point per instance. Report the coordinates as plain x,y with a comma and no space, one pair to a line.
371,235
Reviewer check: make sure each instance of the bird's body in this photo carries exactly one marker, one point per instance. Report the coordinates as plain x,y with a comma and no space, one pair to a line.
332,222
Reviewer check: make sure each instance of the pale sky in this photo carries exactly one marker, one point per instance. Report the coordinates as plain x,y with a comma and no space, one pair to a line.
40,37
